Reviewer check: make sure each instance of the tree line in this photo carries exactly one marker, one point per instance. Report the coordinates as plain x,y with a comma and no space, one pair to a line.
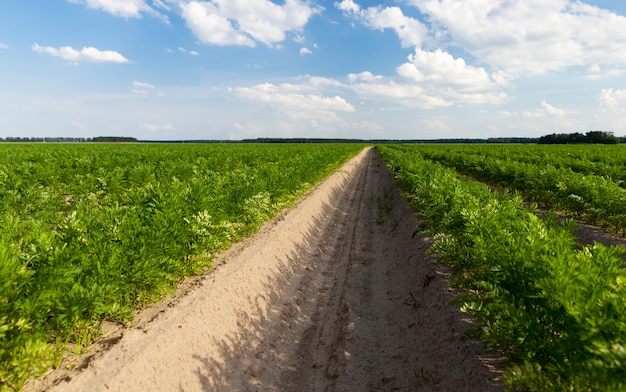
591,137
98,139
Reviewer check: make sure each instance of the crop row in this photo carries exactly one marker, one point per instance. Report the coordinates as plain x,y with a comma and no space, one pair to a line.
607,161
555,308
92,232
540,175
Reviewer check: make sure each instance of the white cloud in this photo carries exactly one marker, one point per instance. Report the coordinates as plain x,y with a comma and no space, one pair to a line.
546,110
246,22
348,6
431,80
141,88
156,127
142,85
89,54
304,51
531,36
435,125
297,105
364,76
210,27
442,68
595,72
4,46
189,52
408,95
551,110
160,4
308,84
410,31
125,8
613,100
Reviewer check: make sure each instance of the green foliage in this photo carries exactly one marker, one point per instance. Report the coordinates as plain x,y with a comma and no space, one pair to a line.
585,181
555,308
93,232
24,350
593,137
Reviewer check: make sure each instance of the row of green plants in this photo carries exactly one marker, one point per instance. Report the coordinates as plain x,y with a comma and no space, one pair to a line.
608,161
553,307
541,175
90,233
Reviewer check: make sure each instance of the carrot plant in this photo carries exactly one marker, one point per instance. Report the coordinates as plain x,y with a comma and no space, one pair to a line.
93,232
555,308
585,181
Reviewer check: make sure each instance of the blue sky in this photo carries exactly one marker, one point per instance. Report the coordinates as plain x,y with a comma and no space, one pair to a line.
236,69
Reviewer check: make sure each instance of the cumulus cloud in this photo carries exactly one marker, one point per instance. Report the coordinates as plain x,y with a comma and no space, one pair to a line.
431,80
245,22
125,8
408,95
304,51
546,110
348,6
410,31
442,68
89,54
503,40
532,36
297,105
551,110
365,76
210,27
613,100
316,85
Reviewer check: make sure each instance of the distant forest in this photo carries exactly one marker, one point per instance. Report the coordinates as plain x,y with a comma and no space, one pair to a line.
99,139
592,137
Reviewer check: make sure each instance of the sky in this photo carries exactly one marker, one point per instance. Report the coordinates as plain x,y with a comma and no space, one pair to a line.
240,69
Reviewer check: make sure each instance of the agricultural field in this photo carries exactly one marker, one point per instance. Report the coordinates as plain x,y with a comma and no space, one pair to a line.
585,181
92,232
556,309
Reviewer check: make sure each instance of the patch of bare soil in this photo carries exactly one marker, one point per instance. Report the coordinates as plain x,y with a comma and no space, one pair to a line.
587,235
335,295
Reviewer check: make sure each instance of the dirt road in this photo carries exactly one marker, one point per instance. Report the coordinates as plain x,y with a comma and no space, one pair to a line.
335,295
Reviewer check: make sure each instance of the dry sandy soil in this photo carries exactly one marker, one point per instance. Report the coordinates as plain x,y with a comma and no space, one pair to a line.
334,295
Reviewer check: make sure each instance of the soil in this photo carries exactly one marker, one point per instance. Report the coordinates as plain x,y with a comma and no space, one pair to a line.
336,294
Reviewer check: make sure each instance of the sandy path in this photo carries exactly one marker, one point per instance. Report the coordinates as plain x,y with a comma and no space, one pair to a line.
336,295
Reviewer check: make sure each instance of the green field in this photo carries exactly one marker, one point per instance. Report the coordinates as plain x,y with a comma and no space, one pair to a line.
92,232
554,308
587,181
